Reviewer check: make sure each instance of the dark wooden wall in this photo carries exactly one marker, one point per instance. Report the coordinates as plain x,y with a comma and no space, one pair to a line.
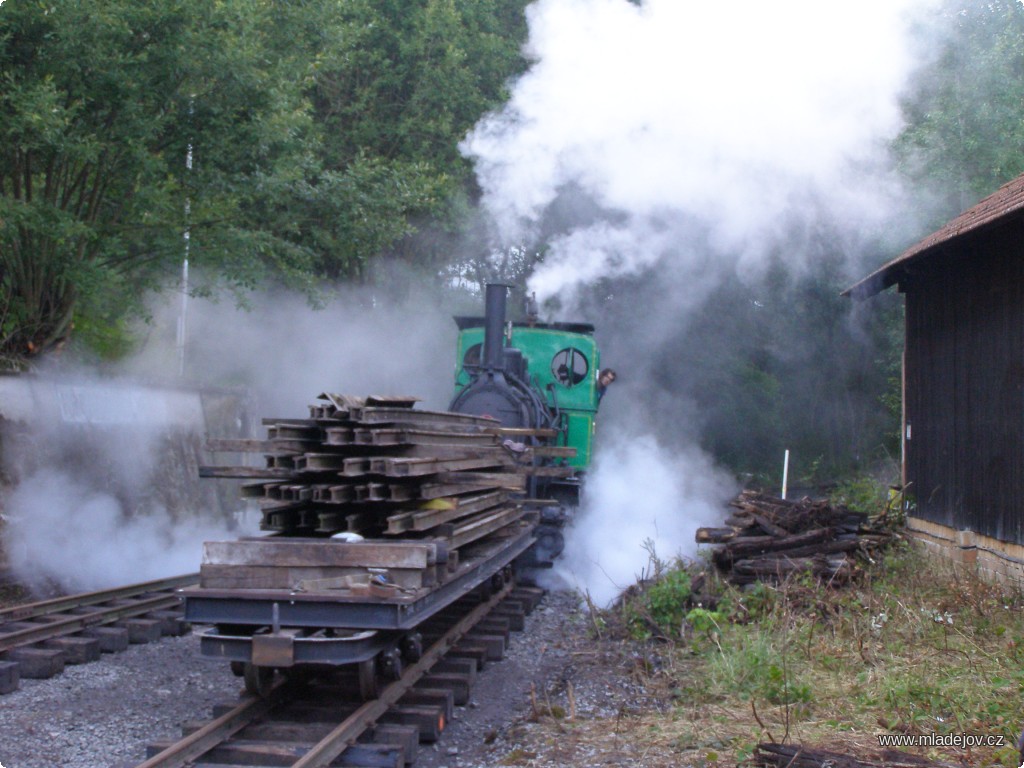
965,385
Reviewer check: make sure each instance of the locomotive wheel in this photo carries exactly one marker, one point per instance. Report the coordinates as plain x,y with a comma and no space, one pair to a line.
368,679
237,668
258,679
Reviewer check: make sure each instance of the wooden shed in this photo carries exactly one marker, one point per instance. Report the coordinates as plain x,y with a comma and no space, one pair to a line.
963,382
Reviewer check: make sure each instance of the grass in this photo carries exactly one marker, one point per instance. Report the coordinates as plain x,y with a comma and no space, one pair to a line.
913,646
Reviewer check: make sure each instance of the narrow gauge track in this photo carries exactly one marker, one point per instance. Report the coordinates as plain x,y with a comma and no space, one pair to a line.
314,723
38,639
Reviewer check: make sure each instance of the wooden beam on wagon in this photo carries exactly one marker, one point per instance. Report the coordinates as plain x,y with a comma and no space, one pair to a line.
287,553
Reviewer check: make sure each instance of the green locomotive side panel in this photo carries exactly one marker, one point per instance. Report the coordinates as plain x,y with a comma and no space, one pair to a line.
562,364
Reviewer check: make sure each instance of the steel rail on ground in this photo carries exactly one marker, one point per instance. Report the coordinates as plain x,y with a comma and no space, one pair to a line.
100,616
192,747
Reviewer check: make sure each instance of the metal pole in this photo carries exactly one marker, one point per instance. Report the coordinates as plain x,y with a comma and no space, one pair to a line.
785,473
183,317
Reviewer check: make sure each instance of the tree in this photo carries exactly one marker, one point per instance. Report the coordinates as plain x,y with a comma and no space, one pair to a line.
965,110
320,134
101,104
396,93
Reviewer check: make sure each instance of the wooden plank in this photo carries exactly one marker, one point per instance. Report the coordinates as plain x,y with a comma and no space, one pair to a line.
314,552
307,578
715,535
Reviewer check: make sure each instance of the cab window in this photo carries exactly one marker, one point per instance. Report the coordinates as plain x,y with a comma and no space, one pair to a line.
569,367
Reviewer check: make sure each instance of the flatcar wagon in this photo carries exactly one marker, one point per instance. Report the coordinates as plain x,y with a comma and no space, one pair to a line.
380,515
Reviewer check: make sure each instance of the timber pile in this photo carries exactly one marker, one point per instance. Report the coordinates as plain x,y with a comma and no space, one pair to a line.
339,488
767,539
797,756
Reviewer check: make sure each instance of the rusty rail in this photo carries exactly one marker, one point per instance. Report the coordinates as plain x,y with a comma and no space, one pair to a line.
38,639
67,602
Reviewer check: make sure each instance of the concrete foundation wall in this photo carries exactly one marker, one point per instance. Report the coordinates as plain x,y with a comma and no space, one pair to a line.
141,443
989,558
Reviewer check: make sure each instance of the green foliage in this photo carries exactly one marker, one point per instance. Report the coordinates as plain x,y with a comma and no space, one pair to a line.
789,363
704,621
666,600
862,494
320,135
819,661
964,112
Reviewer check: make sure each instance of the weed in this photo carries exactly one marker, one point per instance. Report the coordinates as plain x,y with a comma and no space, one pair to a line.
915,645
666,599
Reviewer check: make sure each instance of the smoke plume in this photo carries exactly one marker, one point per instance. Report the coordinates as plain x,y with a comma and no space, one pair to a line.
656,151
106,482
678,117
642,501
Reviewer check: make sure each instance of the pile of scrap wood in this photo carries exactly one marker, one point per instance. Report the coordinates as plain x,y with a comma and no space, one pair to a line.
797,756
767,539
362,472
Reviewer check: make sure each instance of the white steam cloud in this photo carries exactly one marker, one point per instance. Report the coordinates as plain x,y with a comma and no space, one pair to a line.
62,530
107,490
698,139
287,352
640,501
678,115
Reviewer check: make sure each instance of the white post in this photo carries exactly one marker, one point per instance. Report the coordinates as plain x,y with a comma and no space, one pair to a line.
785,473
183,317
187,236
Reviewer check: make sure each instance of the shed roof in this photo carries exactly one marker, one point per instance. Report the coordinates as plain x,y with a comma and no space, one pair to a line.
1007,201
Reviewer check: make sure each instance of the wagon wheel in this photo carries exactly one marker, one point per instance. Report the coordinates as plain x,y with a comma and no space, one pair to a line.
258,679
412,647
391,664
368,679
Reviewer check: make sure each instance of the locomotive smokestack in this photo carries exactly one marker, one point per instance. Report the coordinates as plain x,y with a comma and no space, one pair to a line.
494,326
